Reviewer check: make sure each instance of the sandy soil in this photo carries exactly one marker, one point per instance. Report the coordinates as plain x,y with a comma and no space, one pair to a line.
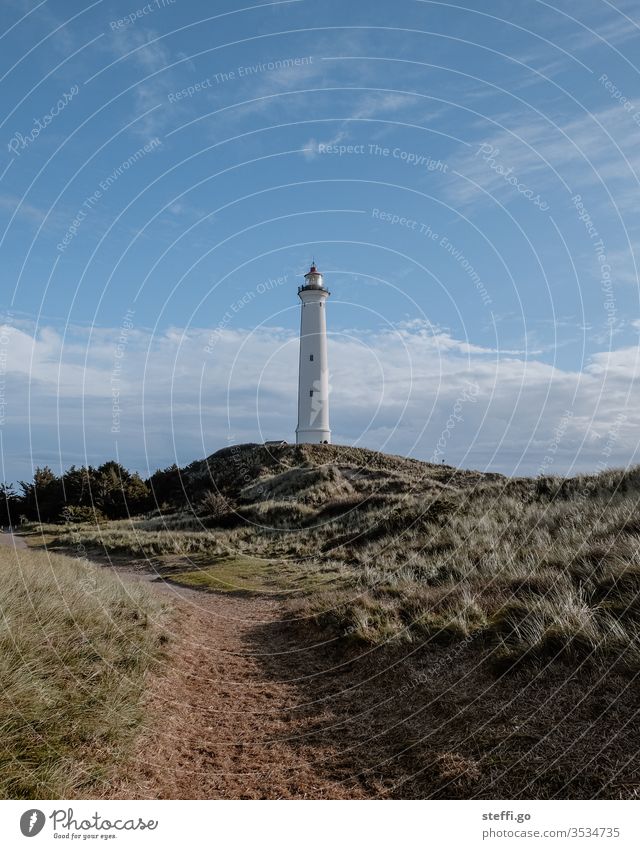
246,707
224,726
12,540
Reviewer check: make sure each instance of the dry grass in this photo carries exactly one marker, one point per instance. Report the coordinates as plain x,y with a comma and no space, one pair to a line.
541,568
125,537
555,577
74,649
505,614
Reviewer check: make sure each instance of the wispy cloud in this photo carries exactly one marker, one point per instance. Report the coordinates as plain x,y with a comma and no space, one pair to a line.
581,151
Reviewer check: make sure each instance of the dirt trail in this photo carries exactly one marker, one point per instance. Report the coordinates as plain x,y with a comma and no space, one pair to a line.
11,540
246,707
223,725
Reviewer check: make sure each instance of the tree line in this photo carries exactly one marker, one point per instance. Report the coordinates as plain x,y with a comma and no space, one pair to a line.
88,493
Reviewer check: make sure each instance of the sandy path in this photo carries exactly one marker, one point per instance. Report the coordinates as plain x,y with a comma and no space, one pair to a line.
11,540
227,716
246,707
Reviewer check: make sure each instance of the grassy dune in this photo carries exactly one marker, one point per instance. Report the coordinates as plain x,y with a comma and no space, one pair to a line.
539,577
487,629
397,550
74,649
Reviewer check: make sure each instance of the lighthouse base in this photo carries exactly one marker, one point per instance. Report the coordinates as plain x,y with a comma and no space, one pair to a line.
312,436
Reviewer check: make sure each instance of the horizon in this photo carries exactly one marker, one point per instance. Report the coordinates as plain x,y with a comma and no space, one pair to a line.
145,475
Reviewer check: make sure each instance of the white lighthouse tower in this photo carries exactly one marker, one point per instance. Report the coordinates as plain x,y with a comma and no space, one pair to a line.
313,380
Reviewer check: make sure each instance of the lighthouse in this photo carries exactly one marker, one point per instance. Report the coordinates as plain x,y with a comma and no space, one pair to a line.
313,374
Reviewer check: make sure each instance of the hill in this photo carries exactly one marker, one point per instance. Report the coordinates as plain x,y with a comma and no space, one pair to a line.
237,470
542,567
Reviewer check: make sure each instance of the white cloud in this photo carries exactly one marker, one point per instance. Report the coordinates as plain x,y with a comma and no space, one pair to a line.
183,395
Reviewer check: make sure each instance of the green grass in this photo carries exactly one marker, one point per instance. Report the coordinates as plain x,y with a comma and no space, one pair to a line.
251,575
74,649
230,574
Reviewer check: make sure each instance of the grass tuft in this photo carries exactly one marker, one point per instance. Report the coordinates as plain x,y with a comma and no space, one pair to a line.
74,648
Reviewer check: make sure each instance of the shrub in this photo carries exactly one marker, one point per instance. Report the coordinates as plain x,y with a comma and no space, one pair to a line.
74,514
215,505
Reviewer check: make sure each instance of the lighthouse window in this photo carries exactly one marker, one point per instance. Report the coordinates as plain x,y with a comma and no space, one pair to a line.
311,357
311,393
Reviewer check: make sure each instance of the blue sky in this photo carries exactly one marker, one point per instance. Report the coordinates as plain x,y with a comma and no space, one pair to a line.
466,177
